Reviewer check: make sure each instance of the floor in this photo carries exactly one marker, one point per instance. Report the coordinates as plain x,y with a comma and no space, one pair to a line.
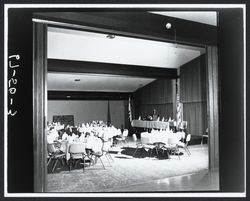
132,174
205,180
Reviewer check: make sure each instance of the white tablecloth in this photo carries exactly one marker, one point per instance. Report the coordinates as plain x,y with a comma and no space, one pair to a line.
93,143
150,124
161,137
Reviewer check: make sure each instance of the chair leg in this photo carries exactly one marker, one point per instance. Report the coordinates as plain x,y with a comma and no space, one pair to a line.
62,162
48,161
188,151
156,149
83,164
168,153
101,162
70,164
76,163
110,157
54,165
151,150
178,152
135,151
108,160
90,159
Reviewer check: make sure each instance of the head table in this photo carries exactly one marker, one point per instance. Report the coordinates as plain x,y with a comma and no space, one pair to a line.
150,124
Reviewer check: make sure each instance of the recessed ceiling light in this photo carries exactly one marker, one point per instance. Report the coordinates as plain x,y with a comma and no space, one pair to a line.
77,80
110,36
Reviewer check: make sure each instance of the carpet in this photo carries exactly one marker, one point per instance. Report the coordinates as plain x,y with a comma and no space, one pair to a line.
126,170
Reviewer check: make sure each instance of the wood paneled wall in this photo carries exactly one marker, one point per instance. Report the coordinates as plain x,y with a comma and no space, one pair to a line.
156,95
193,95
213,106
40,107
159,95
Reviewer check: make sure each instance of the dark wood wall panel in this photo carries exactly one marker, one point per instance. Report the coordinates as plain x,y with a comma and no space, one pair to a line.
193,95
156,95
195,114
40,107
213,106
193,81
157,92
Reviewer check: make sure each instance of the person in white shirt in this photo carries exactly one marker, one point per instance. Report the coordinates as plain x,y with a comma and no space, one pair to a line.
65,136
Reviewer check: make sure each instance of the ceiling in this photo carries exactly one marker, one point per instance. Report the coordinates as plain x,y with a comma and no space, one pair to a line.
205,17
94,82
77,45
95,47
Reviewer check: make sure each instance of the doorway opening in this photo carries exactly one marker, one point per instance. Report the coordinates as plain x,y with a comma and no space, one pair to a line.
63,88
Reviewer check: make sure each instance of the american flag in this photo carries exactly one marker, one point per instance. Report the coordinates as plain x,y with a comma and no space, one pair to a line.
179,112
129,110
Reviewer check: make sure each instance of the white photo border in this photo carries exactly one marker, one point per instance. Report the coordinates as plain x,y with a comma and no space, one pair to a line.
146,6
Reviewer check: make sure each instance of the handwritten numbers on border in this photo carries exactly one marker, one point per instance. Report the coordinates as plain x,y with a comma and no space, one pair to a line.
13,65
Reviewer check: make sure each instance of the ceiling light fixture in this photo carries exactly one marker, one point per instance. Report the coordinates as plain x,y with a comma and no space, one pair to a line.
110,36
68,96
168,25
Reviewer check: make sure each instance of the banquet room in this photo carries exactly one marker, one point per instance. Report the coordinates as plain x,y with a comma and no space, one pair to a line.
129,103
157,114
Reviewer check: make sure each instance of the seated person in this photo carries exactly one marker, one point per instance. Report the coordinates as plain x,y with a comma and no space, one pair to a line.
52,135
82,138
64,136
149,118
154,115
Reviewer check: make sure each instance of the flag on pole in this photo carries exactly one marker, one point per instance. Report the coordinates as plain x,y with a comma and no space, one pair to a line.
179,116
129,110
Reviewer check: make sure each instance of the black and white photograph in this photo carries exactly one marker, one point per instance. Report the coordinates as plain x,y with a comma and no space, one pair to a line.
125,100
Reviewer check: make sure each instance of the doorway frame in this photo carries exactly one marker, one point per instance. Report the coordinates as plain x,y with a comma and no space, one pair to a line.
40,100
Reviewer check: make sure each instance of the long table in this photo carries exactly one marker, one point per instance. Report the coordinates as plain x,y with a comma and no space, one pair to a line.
150,124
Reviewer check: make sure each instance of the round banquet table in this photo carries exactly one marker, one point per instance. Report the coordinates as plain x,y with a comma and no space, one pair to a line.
162,137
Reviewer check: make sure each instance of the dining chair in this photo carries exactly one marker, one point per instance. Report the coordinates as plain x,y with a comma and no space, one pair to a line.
56,155
124,136
172,146
97,151
204,136
185,145
183,125
134,138
106,149
77,153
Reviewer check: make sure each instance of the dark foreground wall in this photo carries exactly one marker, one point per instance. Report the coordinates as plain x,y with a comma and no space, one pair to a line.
20,136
